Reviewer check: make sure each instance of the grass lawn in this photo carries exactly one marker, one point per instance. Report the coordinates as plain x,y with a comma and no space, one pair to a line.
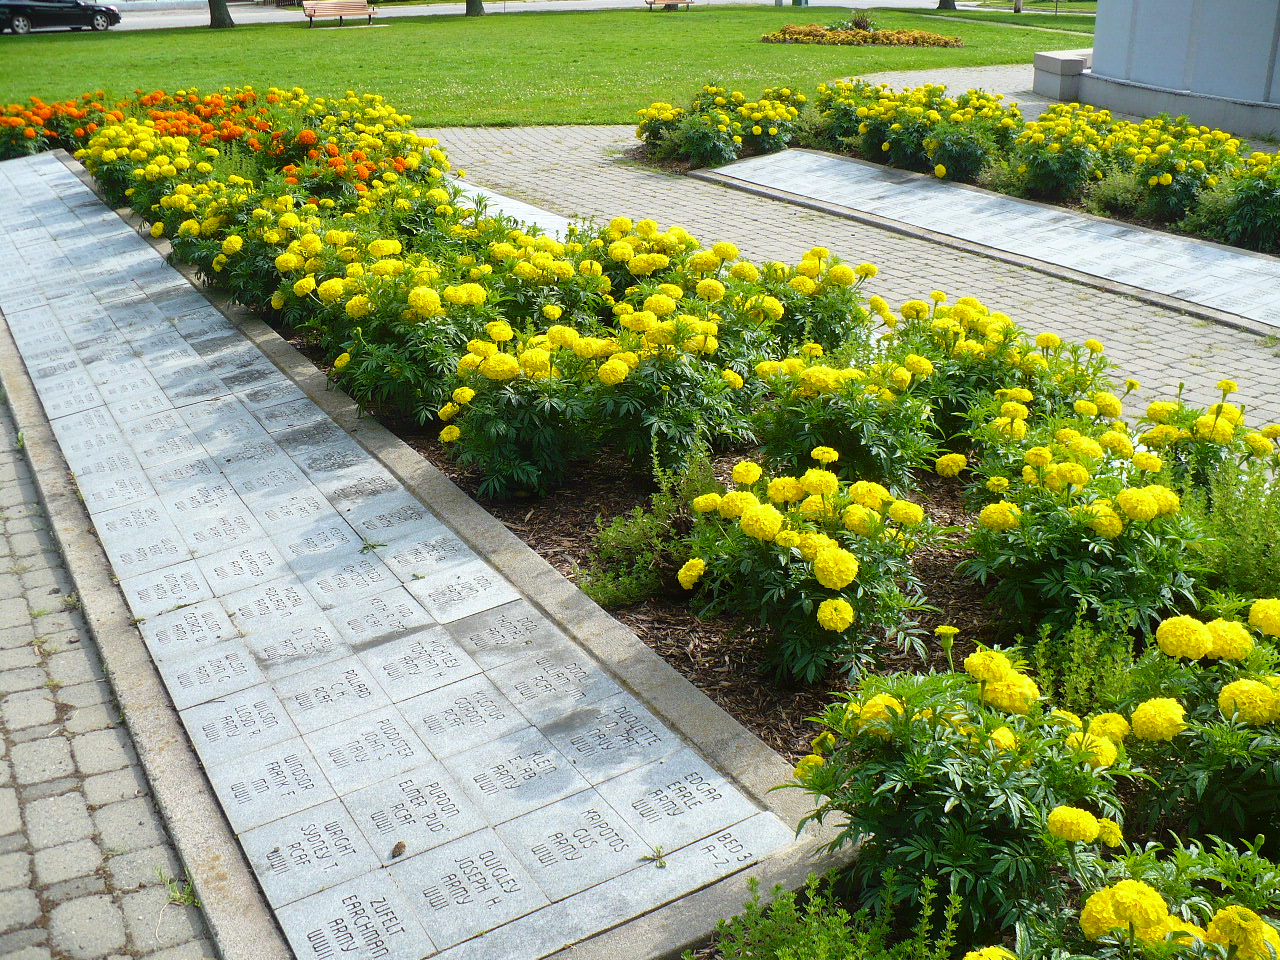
1080,22
1064,6
529,68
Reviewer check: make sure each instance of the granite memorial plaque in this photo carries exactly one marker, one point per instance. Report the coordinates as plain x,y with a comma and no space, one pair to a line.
332,693
76,398
139,405
363,919
381,617
55,366
676,800
270,394
610,737
462,715
429,549
214,671
102,492
213,533
573,844
149,594
411,812
348,492
229,433
129,383
333,463
299,645
387,516
462,591
84,437
418,663
516,774
259,481
338,581
194,385
241,567
179,476
288,415
307,852
466,887
154,449
183,632
250,375
548,685
140,538
366,749
236,724
269,604
269,783
293,508
507,633
319,541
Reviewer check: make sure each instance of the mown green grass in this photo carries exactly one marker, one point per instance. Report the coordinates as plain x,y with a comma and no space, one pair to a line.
1064,21
529,68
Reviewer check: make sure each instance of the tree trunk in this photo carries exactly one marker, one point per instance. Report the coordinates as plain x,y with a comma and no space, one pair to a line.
475,8
946,4
1017,6
219,15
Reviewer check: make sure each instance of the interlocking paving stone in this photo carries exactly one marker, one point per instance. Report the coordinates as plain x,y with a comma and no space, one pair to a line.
412,755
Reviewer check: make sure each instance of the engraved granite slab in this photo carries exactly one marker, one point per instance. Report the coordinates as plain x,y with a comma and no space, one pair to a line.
338,579
507,633
354,492
467,887
363,919
292,508
418,663
262,473
516,774
366,749
149,594
180,476
610,737
329,694
269,603
384,517
214,671
301,644
462,591
139,405
108,491
383,616
573,844
180,633
307,852
140,538
462,715
236,724
209,533
547,685
430,548
676,800
288,415
318,541
269,783
84,437
231,571
413,811
270,394
194,385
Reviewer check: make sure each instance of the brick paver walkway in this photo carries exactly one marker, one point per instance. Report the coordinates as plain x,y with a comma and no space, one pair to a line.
81,846
581,171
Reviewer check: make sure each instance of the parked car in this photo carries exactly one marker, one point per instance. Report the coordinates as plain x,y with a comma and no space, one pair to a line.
23,16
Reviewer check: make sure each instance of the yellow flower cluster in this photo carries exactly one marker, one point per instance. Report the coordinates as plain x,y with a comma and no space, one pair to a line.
1000,684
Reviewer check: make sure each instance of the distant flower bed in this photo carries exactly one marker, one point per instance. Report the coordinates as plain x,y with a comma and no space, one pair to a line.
1163,170
826,36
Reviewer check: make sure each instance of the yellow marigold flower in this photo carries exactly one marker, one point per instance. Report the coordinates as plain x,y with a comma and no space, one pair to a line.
997,484
1099,751
940,171
917,365
746,472
450,434
835,615
869,494
858,519
277,300
1073,824
1229,640
612,372
1097,919
1264,615
725,250
824,455
706,503
1240,927
1109,832
552,312
989,953
866,270
987,665
1160,718
1085,408
1112,726
732,378
1004,739
359,306
787,539
1138,903
499,366
1000,516
710,290
1148,462
1013,693
733,504
341,361
835,568
692,572
937,296
331,290
806,766
1227,387
763,522
448,411
1108,404
304,286
499,331
906,513
785,490
1048,341
950,464
744,271
1184,637
841,275
1038,457
463,396
1093,346
914,310
1248,701
232,244
820,482
1137,504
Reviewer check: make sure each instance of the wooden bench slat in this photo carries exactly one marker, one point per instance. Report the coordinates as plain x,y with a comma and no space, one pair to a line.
337,8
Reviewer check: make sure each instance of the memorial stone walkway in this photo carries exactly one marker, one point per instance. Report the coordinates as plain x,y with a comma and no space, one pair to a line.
410,753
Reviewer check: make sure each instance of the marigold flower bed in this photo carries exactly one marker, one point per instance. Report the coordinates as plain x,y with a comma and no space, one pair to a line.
815,33
648,347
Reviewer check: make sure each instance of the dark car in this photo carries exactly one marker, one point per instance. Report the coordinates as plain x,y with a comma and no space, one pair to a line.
23,16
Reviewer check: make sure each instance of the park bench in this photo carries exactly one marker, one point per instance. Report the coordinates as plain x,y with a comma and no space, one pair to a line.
337,8
668,4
